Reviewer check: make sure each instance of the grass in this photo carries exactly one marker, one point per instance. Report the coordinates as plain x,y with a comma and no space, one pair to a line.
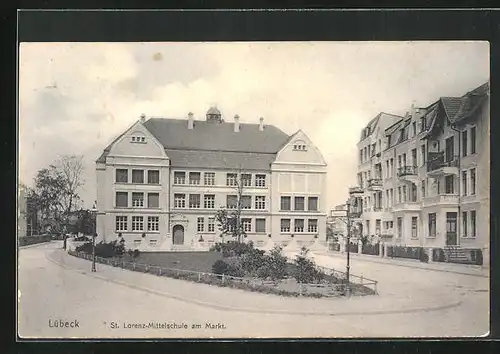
194,261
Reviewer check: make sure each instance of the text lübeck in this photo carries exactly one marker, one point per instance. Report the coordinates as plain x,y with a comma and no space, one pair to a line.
64,324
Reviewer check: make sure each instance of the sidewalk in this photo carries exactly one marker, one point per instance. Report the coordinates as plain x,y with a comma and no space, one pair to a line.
228,299
462,269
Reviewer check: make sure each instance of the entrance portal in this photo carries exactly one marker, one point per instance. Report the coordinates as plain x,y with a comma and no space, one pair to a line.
178,232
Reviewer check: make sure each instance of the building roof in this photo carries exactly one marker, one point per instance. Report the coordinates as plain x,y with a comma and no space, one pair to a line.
216,145
209,136
220,159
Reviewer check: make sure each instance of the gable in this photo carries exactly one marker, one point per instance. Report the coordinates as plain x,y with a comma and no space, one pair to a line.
300,149
136,141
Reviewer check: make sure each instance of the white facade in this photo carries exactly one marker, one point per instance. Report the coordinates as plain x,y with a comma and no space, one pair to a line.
172,206
428,184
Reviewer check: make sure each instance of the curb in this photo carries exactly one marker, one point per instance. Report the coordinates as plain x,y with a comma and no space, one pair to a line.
251,310
35,244
409,266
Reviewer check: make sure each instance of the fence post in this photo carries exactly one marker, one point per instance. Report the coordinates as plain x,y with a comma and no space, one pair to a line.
361,279
146,268
159,270
199,277
133,266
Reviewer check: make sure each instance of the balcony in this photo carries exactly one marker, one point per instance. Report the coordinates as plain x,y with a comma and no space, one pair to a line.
441,200
375,184
355,190
408,205
386,234
437,166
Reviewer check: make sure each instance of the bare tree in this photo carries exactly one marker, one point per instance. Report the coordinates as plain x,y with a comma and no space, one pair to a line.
229,218
55,192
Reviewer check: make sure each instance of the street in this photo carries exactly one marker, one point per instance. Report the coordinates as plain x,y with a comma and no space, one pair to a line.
58,297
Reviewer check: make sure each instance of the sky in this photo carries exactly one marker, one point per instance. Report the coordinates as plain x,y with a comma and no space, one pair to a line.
75,98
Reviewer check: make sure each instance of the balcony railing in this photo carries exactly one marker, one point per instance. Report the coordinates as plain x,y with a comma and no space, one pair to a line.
407,171
440,199
376,208
374,182
436,160
354,190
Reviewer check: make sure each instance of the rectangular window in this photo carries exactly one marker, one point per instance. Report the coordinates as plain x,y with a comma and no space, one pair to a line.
179,200
400,227
449,182
246,202
299,203
194,201
260,202
231,202
422,154
473,223
464,143
246,179
209,201
298,225
137,176
154,177
414,157
246,223
377,226
179,177
121,199
414,227
285,225
361,155
121,223
137,199
153,223
312,225
464,182
231,179
153,200
423,188
399,161
260,180
399,194
137,223
209,178
473,181
211,224
121,175
312,203
260,225
464,224
194,178
392,167
200,224
405,196
414,128
286,203
473,140
432,224
413,194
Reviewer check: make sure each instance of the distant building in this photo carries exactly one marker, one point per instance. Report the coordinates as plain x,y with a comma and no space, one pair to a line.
337,221
425,177
161,182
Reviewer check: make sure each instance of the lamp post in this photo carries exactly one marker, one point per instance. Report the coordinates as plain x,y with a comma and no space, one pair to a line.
94,235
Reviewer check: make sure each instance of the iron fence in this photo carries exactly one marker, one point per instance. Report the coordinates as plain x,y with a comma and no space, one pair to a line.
332,285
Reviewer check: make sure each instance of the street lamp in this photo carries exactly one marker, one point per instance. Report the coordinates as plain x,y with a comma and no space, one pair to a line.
94,235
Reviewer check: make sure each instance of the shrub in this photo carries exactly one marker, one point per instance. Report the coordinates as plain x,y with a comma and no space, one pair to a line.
222,267
276,263
252,261
136,253
305,270
105,250
232,248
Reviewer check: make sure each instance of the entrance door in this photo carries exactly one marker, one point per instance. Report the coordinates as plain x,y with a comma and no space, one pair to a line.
178,235
451,229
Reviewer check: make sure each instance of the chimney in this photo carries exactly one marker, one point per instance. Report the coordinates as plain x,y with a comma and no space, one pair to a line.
261,125
143,118
236,123
413,109
190,120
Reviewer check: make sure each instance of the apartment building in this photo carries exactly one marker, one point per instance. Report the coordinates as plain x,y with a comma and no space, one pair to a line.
337,220
161,182
429,186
